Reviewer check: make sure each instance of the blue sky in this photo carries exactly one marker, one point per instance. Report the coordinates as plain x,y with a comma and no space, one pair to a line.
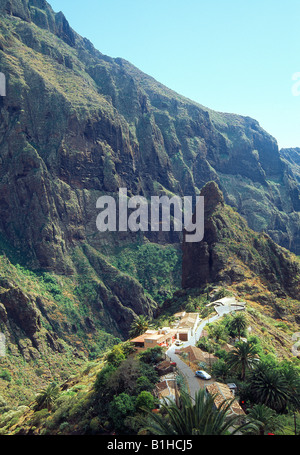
232,56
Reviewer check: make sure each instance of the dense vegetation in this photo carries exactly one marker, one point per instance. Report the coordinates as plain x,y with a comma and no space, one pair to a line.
68,295
156,267
116,393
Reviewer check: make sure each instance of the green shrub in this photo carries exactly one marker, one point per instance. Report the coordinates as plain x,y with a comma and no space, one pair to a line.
152,355
143,383
5,375
103,377
144,400
38,417
115,356
122,406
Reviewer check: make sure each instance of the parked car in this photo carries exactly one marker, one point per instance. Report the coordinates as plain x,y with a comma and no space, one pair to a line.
202,374
173,364
178,343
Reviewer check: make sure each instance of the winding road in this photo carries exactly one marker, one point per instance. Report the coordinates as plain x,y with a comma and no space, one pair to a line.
226,306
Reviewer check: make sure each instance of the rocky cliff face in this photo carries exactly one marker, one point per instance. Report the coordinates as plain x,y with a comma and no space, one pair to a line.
77,124
292,159
232,253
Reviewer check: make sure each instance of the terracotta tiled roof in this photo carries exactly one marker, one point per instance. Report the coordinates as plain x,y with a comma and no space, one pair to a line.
165,388
139,339
223,392
161,385
163,365
197,355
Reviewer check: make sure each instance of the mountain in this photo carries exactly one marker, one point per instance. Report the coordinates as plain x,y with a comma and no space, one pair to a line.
233,255
76,125
292,158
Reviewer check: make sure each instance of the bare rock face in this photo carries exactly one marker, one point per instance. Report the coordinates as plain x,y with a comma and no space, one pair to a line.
77,124
231,251
20,308
199,263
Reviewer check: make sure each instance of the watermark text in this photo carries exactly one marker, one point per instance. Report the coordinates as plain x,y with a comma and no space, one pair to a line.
159,214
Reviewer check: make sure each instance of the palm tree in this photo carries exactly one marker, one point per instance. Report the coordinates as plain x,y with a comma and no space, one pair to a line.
238,323
265,418
139,325
188,418
243,357
221,369
46,398
269,386
292,377
219,333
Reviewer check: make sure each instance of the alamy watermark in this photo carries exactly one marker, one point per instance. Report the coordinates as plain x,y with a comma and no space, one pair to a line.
2,345
2,84
138,214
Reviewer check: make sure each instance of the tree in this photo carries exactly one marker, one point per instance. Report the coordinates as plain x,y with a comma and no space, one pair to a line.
243,357
219,333
103,377
188,418
46,398
152,355
144,400
143,383
265,418
238,323
125,377
269,386
122,406
139,326
115,355
292,377
220,370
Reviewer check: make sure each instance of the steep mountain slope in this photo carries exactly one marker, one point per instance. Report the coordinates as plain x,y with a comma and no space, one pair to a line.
292,158
231,254
52,324
75,125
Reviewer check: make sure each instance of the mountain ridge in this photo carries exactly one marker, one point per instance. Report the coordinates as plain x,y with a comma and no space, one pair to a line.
76,124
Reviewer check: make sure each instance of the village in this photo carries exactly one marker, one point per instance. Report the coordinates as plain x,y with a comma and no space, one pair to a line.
183,358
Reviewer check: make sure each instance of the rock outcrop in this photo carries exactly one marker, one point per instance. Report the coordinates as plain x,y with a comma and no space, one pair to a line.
231,252
76,124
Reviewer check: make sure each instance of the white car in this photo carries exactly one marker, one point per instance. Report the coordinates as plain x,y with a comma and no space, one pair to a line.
178,343
202,374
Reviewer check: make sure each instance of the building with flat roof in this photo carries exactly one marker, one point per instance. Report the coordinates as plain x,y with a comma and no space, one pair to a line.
162,337
184,328
187,325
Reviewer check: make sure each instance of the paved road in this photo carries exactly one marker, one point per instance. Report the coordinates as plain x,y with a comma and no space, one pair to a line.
193,382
